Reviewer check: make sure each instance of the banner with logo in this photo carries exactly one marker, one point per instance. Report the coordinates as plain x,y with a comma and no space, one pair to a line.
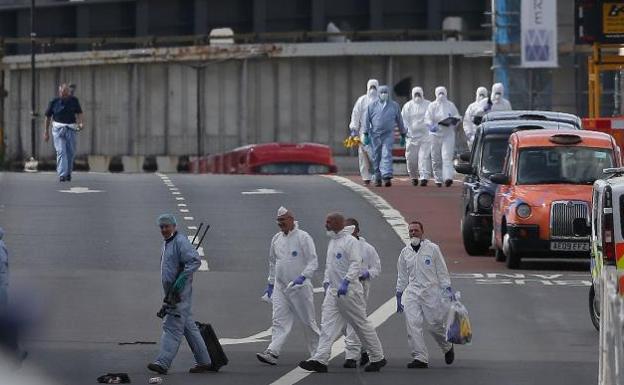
538,22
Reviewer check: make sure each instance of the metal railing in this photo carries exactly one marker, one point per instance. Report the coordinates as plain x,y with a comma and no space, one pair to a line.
611,361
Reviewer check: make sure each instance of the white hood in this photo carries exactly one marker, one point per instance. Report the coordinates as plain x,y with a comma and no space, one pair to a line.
440,94
500,89
482,93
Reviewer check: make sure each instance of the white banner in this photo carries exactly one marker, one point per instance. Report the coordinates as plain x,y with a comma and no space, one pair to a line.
539,33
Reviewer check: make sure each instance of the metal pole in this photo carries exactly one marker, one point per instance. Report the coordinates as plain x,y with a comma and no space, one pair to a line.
33,114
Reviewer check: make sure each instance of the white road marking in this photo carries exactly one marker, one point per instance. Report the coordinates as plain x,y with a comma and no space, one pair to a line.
258,337
191,228
176,193
381,315
189,218
80,190
204,265
521,279
174,189
181,204
180,198
184,210
262,191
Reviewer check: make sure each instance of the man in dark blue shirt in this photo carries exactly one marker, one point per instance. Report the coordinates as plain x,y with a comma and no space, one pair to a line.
65,114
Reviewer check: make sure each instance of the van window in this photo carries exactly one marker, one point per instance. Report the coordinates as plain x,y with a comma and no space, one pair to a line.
493,155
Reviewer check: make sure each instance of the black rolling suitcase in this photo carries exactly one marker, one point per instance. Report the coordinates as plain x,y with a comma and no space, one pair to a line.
217,355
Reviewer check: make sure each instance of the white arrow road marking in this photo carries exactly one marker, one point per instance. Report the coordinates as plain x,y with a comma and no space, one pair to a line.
80,190
262,191
258,337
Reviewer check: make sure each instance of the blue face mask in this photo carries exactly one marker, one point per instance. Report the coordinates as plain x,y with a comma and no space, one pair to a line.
383,96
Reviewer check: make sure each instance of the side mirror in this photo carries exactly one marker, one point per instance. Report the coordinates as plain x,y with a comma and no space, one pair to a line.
580,227
465,156
477,120
464,168
499,178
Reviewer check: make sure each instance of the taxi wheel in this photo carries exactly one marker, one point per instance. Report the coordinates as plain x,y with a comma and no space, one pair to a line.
513,258
471,245
594,308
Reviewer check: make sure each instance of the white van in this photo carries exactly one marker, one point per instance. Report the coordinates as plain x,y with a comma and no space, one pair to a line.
607,233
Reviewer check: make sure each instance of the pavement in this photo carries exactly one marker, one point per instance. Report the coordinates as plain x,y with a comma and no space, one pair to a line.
84,259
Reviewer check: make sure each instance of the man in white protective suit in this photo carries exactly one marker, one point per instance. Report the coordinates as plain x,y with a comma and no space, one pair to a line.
358,119
471,112
371,268
423,285
441,118
292,263
418,148
344,301
497,101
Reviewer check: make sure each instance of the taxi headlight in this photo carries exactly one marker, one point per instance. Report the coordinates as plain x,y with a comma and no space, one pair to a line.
523,210
485,201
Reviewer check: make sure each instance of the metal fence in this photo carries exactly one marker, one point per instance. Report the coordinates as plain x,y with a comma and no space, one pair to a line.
611,363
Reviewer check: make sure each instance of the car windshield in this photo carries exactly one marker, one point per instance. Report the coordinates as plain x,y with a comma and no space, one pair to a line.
493,156
571,165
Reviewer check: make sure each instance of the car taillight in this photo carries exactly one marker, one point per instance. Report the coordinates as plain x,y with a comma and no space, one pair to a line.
607,228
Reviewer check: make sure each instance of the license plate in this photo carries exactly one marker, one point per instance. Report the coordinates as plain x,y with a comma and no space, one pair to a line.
569,246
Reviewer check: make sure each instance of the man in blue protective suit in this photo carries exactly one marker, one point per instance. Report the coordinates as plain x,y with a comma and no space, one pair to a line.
383,115
178,263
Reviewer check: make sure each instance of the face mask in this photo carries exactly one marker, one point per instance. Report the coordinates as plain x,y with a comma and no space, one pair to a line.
372,92
330,233
497,96
441,97
417,96
415,241
383,97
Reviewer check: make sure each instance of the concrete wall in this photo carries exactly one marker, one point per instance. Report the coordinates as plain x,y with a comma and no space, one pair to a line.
151,108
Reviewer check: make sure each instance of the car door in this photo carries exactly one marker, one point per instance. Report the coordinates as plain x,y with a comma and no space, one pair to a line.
502,198
471,181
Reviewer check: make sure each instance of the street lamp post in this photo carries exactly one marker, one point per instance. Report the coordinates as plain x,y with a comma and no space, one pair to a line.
31,165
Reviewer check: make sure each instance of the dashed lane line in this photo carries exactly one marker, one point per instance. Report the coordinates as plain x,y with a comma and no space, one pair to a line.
175,192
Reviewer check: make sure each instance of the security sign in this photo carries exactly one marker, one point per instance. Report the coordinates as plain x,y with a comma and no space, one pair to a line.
613,19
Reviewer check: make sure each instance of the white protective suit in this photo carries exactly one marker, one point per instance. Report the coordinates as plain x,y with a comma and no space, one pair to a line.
358,120
422,278
290,256
344,261
442,137
469,127
372,264
499,103
418,145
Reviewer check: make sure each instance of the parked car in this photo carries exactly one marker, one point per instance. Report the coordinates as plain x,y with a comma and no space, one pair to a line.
552,116
606,231
486,158
545,185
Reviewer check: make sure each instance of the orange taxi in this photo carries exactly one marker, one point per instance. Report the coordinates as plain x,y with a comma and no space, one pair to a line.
545,185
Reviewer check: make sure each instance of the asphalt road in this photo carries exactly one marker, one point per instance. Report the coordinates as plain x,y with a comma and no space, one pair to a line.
88,262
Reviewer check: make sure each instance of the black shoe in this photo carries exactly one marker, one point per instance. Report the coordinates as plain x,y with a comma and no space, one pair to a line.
377,183
449,356
388,182
414,182
203,369
423,182
448,182
438,184
375,366
350,364
417,365
68,178
364,359
62,179
157,368
313,366
367,183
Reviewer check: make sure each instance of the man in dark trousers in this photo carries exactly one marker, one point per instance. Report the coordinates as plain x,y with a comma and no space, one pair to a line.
65,115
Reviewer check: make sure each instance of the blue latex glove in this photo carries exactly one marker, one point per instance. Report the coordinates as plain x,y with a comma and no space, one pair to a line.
433,128
365,275
269,290
344,286
366,139
354,133
325,286
299,280
402,143
399,295
179,283
449,293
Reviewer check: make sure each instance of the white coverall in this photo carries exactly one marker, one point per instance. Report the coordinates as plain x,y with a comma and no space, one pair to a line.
372,264
442,137
358,119
499,103
418,145
344,261
422,278
291,256
469,127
